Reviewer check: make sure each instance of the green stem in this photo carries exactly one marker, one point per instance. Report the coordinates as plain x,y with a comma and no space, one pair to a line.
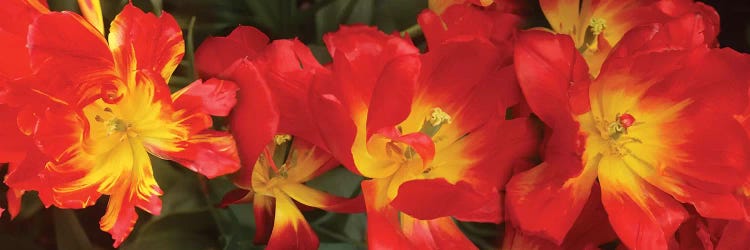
69,232
413,31
190,48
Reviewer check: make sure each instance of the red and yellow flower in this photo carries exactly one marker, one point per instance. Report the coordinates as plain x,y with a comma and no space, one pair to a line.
423,128
278,179
107,106
596,26
274,79
655,129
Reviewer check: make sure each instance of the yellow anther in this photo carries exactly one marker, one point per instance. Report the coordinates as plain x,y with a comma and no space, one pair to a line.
281,138
597,25
439,117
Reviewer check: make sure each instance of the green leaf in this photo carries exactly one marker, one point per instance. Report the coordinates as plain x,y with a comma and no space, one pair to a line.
338,181
190,230
397,15
340,246
328,18
68,231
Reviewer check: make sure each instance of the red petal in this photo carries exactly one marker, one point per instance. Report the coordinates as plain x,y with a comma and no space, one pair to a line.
425,199
642,215
14,145
14,201
734,236
215,97
440,233
393,94
157,41
68,49
420,142
360,56
289,67
263,210
254,119
383,226
290,229
553,76
216,54
334,121
464,22
460,78
13,32
210,153
545,203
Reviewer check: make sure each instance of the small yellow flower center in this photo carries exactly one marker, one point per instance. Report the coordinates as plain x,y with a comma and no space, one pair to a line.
439,117
615,132
281,138
114,124
435,121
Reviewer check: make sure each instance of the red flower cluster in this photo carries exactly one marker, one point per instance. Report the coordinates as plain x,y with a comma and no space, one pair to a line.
624,121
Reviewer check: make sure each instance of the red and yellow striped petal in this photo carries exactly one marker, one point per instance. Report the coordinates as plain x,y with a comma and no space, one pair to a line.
92,11
439,233
319,199
156,41
642,215
290,229
383,226
263,210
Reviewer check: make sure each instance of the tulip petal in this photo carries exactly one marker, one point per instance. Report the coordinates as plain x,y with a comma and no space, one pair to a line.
314,198
215,97
216,54
383,226
64,43
290,229
642,215
440,233
156,41
263,210
92,11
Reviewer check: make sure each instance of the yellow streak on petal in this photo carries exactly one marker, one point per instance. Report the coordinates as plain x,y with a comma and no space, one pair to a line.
92,11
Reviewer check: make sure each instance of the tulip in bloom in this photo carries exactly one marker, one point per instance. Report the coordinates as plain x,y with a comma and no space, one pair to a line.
596,26
655,129
108,107
277,181
423,128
